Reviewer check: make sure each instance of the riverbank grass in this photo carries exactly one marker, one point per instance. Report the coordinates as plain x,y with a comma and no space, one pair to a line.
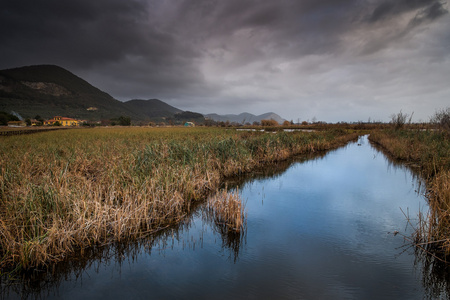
430,151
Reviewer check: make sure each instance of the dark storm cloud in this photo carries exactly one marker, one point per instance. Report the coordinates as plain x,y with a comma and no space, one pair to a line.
389,8
83,33
86,33
213,53
429,13
107,35
299,23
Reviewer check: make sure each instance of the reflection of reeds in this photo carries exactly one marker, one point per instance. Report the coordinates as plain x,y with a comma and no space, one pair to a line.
73,189
434,276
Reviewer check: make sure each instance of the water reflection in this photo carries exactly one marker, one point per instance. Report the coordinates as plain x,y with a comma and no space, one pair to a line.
317,228
40,283
231,240
435,276
273,171
48,283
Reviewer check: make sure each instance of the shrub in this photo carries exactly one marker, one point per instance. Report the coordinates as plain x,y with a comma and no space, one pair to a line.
270,122
441,118
399,119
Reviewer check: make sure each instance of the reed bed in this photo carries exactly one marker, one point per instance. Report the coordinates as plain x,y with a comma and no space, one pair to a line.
227,210
429,151
65,191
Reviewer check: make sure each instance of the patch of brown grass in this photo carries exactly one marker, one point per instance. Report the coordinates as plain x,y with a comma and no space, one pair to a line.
227,210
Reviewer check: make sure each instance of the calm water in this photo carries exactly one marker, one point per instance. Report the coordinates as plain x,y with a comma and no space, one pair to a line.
316,229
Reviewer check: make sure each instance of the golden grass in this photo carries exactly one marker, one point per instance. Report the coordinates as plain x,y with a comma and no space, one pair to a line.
72,189
227,210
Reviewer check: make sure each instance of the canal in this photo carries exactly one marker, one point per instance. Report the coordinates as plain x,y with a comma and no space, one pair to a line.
326,227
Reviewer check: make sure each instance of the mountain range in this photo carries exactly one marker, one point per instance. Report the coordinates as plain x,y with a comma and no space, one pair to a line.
49,90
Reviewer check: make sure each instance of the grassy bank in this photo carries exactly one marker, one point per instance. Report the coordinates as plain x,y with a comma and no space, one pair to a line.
430,151
68,190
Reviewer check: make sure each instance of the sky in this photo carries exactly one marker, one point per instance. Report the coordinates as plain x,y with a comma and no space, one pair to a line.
324,60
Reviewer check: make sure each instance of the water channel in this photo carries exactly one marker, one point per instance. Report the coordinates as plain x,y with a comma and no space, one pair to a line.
329,227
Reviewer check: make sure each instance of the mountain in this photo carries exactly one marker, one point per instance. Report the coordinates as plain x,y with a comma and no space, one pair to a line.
245,117
152,108
49,90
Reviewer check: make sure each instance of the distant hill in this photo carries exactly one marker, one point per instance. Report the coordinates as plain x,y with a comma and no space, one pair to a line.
49,90
244,118
187,116
152,108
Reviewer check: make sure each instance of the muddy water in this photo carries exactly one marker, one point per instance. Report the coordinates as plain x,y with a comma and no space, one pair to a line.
331,227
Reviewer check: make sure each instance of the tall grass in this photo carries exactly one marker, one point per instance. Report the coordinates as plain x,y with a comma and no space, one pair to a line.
227,211
68,190
430,151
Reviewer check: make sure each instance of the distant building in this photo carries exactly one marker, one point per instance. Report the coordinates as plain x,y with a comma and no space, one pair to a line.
17,124
63,121
189,124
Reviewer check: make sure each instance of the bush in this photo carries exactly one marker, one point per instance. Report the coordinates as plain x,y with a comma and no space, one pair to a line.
441,118
269,123
399,119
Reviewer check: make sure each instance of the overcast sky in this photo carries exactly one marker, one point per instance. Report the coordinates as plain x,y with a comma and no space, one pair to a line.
335,60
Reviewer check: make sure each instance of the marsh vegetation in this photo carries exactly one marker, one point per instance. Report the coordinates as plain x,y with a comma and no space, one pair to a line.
429,152
316,226
70,190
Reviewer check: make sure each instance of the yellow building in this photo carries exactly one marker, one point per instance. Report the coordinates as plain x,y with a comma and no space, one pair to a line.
63,121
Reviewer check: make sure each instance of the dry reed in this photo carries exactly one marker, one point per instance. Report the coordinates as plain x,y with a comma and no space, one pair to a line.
227,210
73,189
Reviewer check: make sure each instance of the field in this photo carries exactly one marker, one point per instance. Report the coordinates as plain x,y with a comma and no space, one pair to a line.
68,190
9,131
